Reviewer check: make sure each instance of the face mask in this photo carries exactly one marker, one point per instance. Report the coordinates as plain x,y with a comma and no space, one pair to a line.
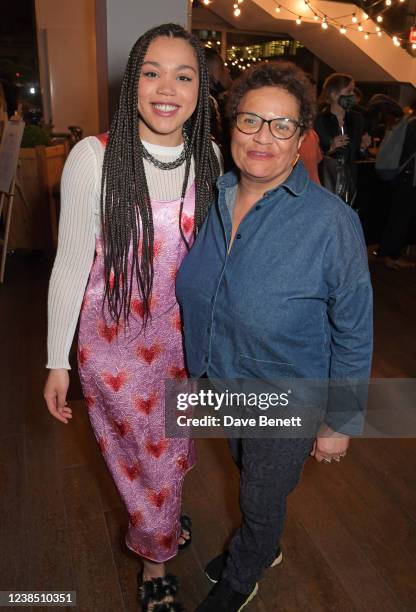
347,102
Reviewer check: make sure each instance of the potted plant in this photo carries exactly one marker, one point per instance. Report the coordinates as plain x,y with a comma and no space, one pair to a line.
34,222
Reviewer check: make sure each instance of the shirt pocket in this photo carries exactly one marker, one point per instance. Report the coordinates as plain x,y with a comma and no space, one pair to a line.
251,367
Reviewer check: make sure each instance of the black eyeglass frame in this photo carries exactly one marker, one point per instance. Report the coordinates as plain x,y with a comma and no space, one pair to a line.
268,121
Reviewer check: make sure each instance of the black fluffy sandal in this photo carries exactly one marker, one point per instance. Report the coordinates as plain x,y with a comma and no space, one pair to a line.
153,592
186,524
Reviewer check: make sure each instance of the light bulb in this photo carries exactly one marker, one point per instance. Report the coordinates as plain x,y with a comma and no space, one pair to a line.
365,16
414,46
379,18
324,25
388,2
379,34
342,30
354,18
277,9
299,20
237,12
315,18
366,36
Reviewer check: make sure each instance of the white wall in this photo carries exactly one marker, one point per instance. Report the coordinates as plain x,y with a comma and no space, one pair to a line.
83,50
67,55
126,21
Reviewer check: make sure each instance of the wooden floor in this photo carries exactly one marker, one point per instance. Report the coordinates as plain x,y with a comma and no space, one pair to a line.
350,538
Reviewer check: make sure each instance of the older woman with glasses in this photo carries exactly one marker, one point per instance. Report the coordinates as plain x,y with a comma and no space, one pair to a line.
275,287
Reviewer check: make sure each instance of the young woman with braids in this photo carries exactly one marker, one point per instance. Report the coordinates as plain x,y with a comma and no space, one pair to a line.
132,203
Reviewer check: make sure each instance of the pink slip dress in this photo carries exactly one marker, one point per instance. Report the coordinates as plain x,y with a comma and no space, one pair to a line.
123,371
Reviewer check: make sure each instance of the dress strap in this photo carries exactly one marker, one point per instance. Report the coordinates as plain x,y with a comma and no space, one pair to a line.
103,138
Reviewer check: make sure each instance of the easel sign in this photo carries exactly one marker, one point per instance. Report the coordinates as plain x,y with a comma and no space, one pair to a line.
9,154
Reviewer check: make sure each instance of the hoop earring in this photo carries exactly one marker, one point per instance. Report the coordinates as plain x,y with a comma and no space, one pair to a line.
295,161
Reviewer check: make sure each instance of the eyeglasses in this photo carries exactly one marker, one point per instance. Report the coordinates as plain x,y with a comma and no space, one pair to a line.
280,127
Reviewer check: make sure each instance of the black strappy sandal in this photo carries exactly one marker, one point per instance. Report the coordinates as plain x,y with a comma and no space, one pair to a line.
186,524
153,592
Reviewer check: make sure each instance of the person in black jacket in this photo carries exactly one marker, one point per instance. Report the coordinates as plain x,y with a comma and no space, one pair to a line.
341,134
403,204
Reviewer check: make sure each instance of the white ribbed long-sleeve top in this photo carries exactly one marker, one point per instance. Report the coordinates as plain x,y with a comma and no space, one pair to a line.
79,226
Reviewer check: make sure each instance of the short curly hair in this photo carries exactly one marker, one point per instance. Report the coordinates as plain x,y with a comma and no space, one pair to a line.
285,75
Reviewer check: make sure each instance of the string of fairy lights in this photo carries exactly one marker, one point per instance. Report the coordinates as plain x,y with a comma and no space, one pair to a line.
357,21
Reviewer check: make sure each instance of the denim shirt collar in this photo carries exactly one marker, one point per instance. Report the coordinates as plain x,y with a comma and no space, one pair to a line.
295,183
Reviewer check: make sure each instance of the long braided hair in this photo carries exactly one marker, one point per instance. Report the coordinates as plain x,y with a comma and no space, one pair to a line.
126,212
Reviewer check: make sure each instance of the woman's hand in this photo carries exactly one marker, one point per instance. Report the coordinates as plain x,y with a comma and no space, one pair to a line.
330,445
338,142
55,391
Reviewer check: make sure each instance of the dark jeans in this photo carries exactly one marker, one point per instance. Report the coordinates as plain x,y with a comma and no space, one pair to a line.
403,209
269,470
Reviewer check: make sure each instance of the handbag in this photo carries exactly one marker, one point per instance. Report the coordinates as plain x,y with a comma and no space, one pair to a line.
336,175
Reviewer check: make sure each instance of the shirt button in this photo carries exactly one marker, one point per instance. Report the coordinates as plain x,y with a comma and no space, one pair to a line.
238,236
258,207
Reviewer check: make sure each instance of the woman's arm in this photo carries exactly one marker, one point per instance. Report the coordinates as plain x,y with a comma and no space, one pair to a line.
74,258
350,318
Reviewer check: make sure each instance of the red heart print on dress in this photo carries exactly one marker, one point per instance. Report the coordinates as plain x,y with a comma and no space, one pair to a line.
174,273
149,354
167,540
115,382
178,373
131,471
157,248
103,444
122,427
158,499
136,518
187,223
183,463
107,332
145,405
83,354
156,449
138,307
177,322
90,401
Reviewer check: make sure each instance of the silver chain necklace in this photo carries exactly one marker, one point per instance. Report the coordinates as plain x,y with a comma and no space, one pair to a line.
172,164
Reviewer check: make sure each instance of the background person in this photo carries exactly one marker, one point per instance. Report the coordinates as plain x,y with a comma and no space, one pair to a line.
341,135
403,203
276,286
131,204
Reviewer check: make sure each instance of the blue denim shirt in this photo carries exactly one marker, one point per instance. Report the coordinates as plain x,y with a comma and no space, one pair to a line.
293,296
